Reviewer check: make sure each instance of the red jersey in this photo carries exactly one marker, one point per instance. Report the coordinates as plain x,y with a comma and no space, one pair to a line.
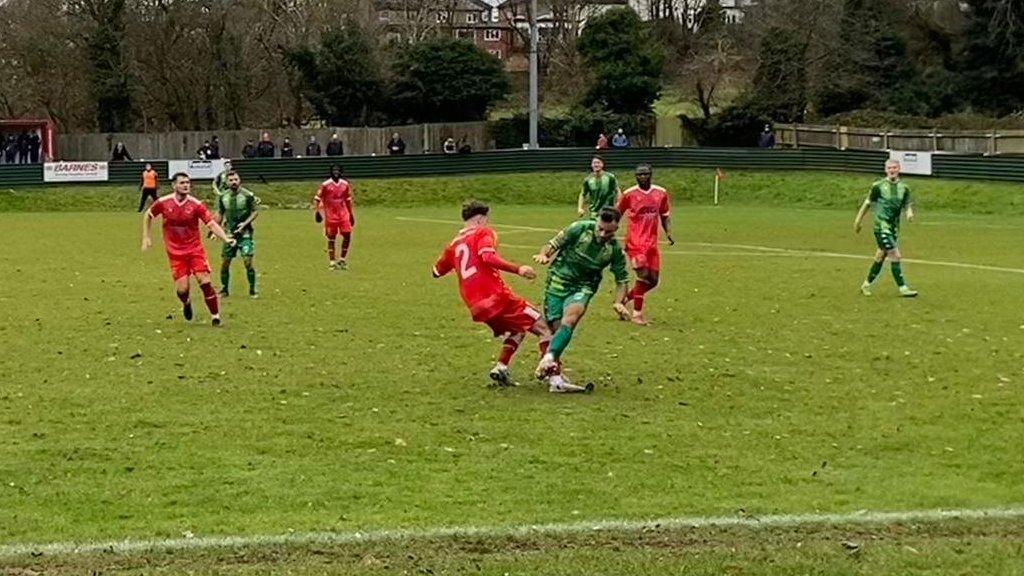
480,284
181,223
333,200
644,208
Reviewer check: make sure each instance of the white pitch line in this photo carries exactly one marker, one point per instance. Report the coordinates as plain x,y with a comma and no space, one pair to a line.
553,529
766,249
687,252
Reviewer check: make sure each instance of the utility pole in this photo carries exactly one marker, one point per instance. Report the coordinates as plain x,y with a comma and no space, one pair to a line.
534,109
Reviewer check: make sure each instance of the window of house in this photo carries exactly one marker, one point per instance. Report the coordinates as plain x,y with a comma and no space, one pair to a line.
471,18
495,53
492,35
465,34
442,17
485,16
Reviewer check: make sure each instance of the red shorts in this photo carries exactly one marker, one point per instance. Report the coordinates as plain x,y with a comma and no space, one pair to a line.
516,317
648,257
332,229
188,264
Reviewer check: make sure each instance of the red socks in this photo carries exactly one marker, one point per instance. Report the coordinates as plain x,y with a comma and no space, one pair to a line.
183,296
210,295
637,294
330,250
544,345
346,240
509,347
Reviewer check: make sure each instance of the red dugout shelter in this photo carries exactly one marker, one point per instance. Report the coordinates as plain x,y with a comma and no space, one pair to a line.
44,128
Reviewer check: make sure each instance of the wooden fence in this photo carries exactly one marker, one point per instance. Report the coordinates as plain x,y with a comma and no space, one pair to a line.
986,142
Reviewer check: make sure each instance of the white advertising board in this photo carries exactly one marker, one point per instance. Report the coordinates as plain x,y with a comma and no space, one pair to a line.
196,169
75,172
919,163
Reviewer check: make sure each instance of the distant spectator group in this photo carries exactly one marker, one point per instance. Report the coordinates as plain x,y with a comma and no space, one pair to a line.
619,140
266,148
20,148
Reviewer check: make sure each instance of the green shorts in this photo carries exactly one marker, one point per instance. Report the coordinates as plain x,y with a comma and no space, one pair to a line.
554,304
886,239
244,245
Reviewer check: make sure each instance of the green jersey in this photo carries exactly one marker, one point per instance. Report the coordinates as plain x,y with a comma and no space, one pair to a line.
600,192
582,258
888,199
237,208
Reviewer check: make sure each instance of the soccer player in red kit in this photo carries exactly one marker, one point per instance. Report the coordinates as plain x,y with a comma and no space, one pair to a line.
474,257
334,209
645,205
182,213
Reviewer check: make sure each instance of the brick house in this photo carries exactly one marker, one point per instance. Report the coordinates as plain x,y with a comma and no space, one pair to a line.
501,27
478,21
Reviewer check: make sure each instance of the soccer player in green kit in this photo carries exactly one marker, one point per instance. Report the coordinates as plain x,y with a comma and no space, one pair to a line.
600,190
578,256
888,198
236,209
220,182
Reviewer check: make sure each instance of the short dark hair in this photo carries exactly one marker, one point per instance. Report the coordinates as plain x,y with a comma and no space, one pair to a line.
338,166
232,173
178,175
609,214
474,208
646,167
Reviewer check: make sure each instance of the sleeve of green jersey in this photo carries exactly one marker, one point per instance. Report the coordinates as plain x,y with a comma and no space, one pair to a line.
618,266
906,197
568,236
875,193
586,190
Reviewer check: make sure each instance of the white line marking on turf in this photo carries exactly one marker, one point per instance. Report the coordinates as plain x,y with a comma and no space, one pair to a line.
554,529
688,252
968,224
765,250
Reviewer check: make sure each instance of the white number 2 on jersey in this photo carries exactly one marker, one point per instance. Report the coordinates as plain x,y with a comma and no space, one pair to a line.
462,253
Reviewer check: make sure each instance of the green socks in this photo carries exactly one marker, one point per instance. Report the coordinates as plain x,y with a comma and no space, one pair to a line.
876,269
225,278
561,341
897,274
250,273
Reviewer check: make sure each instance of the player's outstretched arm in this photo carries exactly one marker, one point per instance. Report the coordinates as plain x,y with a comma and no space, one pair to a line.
545,255
219,232
492,259
666,224
860,215
147,223
621,293
351,210
581,203
318,206
253,215
442,266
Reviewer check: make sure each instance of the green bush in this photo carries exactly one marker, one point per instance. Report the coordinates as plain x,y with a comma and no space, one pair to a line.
735,126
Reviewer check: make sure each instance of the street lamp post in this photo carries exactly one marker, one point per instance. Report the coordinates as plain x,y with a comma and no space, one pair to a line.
534,110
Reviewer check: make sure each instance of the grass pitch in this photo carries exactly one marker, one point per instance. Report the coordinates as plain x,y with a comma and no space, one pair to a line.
357,401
